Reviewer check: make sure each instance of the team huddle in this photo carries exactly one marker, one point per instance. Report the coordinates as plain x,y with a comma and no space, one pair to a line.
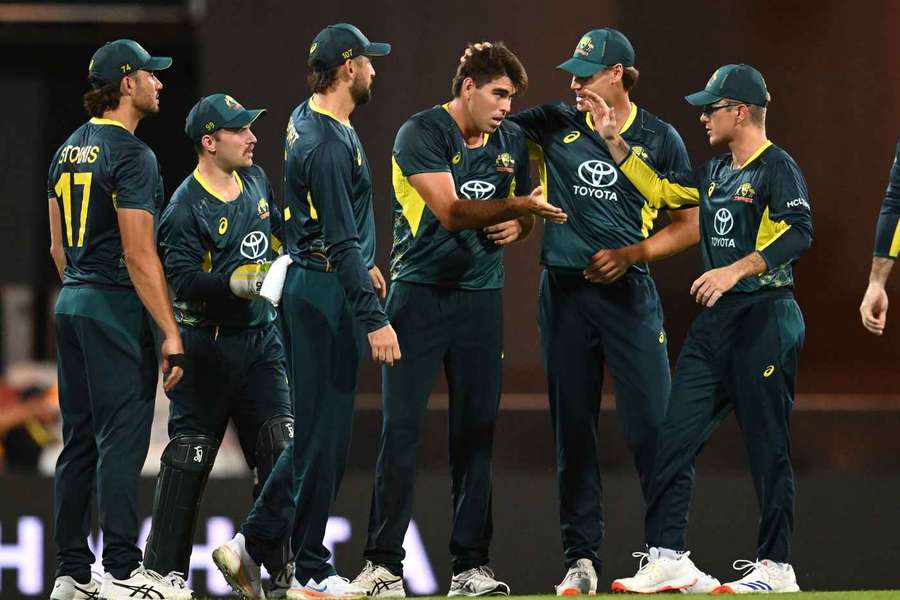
275,305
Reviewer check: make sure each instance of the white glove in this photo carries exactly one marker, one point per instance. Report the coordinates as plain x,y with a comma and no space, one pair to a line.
274,283
247,280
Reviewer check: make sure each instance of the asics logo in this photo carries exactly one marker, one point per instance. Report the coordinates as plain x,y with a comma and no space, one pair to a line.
723,221
597,173
254,245
142,591
477,190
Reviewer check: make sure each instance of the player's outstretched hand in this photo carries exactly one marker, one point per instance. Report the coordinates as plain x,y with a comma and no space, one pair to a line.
385,347
604,115
873,309
172,353
504,233
608,265
378,282
541,208
713,284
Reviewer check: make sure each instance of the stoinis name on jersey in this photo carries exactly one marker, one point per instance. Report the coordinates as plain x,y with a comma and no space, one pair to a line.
79,154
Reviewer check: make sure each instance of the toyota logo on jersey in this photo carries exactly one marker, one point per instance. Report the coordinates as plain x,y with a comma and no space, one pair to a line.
477,190
254,245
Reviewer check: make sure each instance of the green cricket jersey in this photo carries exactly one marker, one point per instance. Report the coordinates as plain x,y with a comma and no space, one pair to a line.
579,175
423,250
101,167
761,206
328,218
203,238
887,233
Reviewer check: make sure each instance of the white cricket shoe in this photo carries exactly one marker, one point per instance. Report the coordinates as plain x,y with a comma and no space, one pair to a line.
762,577
705,584
479,581
281,583
66,588
379,582
330,587
238,569
580,580
144,583
658,573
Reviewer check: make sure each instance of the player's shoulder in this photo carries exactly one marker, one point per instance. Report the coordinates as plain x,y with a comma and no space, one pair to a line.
314,127
776,156
650,124
435,119
188,192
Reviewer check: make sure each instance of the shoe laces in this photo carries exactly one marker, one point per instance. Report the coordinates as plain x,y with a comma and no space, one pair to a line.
482,573
284,577
756,568
176,579
578,571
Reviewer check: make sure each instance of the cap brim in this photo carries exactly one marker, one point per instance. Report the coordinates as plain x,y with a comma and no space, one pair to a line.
157,63
378,49
246,118
580,68
702,98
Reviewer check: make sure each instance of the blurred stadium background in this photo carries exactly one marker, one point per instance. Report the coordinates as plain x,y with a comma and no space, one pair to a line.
833,69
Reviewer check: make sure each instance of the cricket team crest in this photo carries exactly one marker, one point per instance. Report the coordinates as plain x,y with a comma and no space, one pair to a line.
745,193
262,208
585,46
232,104
505,163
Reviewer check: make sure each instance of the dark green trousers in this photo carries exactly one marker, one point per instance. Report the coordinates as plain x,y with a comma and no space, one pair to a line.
584,326
462,331
325,347
238,375
739,355
107,384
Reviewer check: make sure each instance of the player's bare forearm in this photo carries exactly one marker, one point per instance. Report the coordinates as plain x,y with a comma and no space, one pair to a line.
618,148
56,244
881,270
144,268
752,264
146,274
476,214
682,233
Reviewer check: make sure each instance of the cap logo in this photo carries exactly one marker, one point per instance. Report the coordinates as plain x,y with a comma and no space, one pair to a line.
585,46
126,68
713,78
209,126
232,103
347,53
313,47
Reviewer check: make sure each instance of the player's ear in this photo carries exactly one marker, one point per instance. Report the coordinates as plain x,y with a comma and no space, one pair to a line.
127,86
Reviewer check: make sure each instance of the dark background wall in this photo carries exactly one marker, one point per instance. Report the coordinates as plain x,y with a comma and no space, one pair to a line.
833,69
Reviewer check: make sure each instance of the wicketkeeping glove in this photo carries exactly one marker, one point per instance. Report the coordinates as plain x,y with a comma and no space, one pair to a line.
246,280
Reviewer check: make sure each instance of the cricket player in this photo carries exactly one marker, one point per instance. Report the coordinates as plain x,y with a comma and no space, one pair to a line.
887,246
217,237
331,313
742,352
598,304
457,169
105,190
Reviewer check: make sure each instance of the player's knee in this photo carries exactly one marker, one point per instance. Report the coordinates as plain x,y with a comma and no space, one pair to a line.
191,452
275,434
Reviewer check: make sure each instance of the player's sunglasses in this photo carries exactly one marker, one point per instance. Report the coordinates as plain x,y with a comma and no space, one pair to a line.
709,109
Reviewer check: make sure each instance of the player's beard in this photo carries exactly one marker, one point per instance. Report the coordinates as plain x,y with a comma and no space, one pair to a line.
361,91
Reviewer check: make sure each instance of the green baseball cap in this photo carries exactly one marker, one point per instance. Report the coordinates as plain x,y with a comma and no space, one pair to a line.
116,59
339,42
218,111
599,49
738,82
